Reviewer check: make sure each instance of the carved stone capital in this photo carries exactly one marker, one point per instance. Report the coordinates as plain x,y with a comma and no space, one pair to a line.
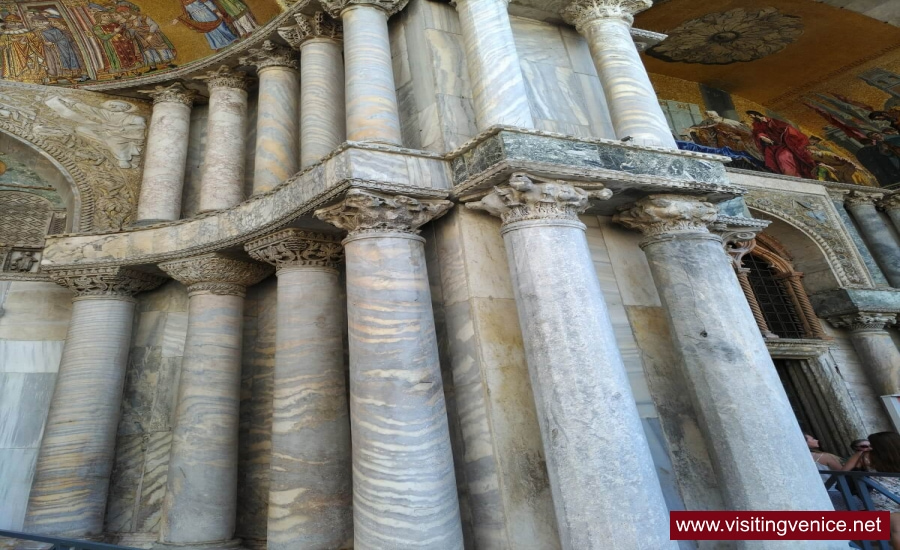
738,235
215,274
855,198
270,55
297,248
104,281
890,202
456,3
657,214
524,199
320,25
584,12
863,320
173,93
390,7
367,212
837,195
225,77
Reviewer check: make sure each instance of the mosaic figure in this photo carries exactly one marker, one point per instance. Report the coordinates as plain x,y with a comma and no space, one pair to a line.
206,17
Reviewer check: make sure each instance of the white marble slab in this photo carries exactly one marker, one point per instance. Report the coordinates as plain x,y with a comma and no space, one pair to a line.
174,334
30,356
24,402
16,471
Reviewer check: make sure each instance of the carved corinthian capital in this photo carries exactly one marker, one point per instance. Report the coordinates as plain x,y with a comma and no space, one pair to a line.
390,7
224,77
112,282
173,93
297,248
657,214
855,198
523,199
215,274
583,12
890,202
320,25
863,320
368,212
270,55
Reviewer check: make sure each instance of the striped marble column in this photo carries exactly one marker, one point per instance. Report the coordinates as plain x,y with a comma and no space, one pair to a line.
71,478
876,349
633,105
310,495
891,206
497,82
323,124
165,158
404,487
222,173
201,490
278,116
373,113
876,233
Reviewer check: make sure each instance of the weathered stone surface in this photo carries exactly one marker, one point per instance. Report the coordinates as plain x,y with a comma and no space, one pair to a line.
877,235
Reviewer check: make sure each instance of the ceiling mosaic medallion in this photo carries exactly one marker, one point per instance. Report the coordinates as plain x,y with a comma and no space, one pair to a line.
729,37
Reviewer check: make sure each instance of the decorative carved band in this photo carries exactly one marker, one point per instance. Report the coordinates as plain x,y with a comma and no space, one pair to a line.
390,7
367,212
320,25
215,274
104,281
523,199
657,214
173,93
270,55
224,77
295,248
863,320
890,202
855,198
583,12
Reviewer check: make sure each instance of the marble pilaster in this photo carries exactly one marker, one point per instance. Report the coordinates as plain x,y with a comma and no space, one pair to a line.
875,347
71,479
498,86
222,173
323,124
373,113
278,116
891,205
735,388
166,154
633,105
201,490
404,486
876,233
310,495
605,490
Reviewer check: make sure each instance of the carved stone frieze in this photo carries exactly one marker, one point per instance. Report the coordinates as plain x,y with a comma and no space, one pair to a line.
582,12
225,77
297,248
863,320
105,281
657,214
890,202
524,199
270,54
367,212
320,25
216,274
855,198
335,7
173,93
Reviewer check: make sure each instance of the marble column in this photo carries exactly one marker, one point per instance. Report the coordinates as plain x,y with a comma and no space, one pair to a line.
222,173
735,388
605,490
633,105
876,349
498,86
201,490
373,113
165,159
278,116
311,494
891,205
876,233
71,478
323,125
404,486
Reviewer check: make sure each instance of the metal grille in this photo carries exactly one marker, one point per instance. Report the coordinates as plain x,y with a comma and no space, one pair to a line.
774,300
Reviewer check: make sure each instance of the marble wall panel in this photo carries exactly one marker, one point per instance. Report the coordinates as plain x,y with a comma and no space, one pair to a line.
629,265
24,402
448,63
35,311
16,471
539,42
30,356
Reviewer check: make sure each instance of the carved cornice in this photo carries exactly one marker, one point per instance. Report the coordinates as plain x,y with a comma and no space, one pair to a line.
583,12
225,77
104,281
270,55
855,198
863,320
890,203
523,199
173,93
367,212
658,214
297,248
320,25
390,7
216,274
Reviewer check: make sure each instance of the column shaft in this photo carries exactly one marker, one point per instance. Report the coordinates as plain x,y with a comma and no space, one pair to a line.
277,128
878,236
881,357
894,214
498,86
372,109
222,174
323,122
164,162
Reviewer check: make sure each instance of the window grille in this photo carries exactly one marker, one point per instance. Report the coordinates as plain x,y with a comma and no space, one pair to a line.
774,300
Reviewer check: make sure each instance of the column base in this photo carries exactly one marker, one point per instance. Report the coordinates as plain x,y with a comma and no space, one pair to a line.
233,544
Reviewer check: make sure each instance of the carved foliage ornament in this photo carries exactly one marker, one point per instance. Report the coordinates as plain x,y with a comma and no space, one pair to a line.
335,7
224,77
367,212
583,12
863,320
105,281
523,199
657,214
855,198
270,55
891,202
296,247
173,93
215,274
321,25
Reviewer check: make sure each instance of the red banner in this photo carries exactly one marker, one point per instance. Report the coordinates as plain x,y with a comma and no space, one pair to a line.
780,525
